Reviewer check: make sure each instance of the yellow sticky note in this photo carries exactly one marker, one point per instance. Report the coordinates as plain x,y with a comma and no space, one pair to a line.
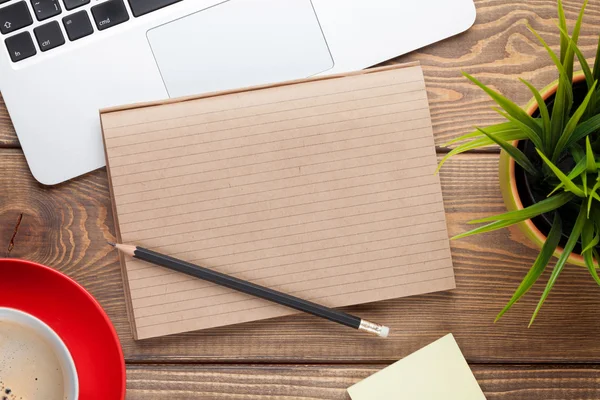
436,372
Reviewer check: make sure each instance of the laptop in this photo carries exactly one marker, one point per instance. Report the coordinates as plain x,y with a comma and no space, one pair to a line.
63,60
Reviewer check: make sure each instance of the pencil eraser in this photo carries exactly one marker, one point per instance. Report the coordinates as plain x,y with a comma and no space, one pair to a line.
385,331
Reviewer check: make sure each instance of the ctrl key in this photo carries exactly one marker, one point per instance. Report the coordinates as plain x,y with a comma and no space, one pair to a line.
20,46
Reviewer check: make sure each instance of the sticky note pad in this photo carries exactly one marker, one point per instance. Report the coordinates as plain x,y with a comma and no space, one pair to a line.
436,372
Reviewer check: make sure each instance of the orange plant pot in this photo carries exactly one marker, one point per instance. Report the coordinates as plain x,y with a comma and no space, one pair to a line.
508,184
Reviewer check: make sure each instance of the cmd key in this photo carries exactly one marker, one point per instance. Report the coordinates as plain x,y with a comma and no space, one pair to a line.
109,14
141,7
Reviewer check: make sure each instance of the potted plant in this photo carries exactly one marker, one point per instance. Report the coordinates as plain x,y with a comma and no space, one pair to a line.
549,168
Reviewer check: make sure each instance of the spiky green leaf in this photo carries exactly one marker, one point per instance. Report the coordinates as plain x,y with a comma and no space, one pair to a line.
486,228
560,264
531,134
508,135
589,236
589,155
591,196
544,114
597,62
568,183
584,129
572,124
511,108
497,128
512,151
541,207
577,170
538,266
589,241
562,21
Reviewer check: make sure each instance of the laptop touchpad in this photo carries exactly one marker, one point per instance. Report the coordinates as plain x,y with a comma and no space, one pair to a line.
240,43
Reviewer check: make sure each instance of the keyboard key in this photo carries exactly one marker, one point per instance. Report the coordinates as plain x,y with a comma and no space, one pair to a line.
44,9
15,16
109,14
71,4
49,36
141,7
20,46
78,25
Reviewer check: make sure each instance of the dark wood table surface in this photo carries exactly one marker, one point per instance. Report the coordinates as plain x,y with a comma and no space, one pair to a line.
300,357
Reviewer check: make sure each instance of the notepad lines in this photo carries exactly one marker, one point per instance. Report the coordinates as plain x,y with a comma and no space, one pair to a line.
281,121
352,122
318,132
270,310
288,154
254,274
248,263
197,303
224,106
352,260
386,167
278,227
170,211
247,300
206,255
315,252
395,204
321,282
336,224
186,159
392,261
300,171
143,221
360,257
269,205
127,149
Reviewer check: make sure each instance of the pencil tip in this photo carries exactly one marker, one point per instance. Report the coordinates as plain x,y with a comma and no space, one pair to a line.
111,243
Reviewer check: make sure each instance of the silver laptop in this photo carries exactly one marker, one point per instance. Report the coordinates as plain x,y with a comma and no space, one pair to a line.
63,60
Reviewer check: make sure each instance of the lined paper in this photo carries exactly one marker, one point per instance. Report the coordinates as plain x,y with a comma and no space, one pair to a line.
323,188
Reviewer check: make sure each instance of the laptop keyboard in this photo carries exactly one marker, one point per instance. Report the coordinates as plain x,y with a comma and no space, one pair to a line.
63,17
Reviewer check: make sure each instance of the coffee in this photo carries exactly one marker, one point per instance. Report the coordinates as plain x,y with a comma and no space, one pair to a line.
29,366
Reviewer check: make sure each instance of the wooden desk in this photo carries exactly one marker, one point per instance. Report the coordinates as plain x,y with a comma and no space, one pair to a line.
301,357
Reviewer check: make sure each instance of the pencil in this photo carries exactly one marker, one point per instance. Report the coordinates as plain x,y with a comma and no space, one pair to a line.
252,289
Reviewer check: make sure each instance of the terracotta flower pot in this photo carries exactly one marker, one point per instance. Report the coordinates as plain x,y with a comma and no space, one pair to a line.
508,183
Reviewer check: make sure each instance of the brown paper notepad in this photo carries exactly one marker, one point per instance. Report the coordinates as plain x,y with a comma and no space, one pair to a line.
322,188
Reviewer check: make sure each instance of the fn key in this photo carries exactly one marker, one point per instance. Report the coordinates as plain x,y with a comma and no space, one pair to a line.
20,46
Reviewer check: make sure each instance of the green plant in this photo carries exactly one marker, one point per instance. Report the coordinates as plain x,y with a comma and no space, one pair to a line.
566,141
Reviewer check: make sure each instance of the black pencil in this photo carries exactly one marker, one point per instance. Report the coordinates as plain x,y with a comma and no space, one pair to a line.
252,289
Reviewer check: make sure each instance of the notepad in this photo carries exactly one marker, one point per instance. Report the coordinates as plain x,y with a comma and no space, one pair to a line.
436,372
321,188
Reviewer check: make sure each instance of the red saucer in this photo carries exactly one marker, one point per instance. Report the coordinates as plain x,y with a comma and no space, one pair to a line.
76,317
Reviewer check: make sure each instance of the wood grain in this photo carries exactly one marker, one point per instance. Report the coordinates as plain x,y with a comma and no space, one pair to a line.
8,137
498,49
499,382
66,227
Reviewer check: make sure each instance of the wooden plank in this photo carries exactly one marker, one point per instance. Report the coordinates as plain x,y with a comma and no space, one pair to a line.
502,382
67,226
8,137
497,49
